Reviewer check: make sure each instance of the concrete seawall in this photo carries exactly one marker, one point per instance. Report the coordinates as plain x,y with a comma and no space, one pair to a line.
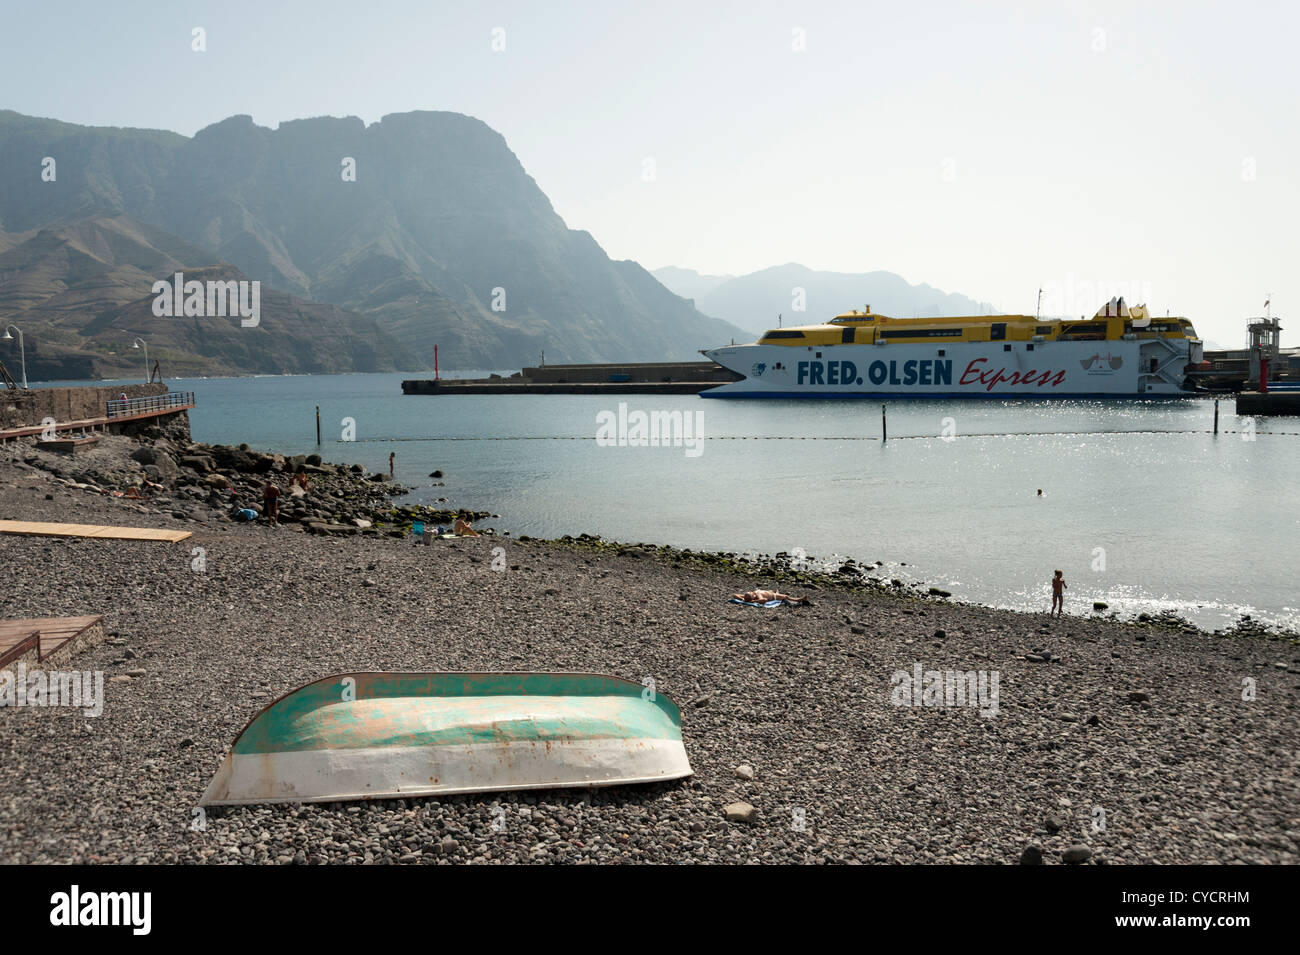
1270,403
26,407
617,379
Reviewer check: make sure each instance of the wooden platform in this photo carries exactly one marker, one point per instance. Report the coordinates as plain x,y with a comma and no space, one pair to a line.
104,532
68,445
41,640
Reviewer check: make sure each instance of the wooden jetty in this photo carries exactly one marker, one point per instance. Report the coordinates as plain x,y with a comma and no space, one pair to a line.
118,412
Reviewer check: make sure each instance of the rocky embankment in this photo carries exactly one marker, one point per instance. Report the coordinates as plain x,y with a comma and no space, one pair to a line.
203,483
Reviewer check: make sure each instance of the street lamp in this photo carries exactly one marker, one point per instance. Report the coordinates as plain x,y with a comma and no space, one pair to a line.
137,344
22,348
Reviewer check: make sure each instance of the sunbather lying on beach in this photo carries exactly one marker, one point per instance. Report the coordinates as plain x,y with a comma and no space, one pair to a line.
763,596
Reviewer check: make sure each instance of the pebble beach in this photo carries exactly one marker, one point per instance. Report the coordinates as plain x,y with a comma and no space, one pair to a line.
1112,742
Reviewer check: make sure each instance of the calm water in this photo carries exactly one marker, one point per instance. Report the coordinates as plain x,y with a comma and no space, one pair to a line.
1204,526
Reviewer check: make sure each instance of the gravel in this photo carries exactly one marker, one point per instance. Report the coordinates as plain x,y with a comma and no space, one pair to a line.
1160,761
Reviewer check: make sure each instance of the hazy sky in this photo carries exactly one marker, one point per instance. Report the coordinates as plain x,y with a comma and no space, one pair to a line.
985,148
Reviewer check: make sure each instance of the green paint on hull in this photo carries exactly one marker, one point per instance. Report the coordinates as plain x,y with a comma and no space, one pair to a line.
372,710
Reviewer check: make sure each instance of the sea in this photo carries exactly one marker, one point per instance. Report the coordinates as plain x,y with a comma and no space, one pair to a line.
1139,503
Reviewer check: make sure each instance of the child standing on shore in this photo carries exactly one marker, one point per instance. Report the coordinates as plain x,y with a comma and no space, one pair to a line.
1058,594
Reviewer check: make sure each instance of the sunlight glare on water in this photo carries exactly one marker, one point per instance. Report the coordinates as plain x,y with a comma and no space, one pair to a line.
1201,525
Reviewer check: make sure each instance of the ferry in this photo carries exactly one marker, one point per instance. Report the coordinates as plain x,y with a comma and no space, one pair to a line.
1119,352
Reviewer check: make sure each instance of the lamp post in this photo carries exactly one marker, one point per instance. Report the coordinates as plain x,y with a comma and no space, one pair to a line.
22,348
138,343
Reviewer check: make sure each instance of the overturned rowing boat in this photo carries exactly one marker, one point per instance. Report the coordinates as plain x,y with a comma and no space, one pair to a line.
384,735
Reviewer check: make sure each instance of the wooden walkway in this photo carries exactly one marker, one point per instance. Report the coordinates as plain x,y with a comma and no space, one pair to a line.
100,531
101,423
47,639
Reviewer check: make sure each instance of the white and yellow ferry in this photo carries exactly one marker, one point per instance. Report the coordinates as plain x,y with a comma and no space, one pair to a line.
1119,352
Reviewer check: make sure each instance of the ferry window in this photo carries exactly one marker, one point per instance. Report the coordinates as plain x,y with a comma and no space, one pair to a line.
780,334
1006,348
919,333
1029,347
941,352
819,354
1043,330
846,336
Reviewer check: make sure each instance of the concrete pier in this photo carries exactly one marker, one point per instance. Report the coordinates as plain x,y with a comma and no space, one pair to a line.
1269,403
606,379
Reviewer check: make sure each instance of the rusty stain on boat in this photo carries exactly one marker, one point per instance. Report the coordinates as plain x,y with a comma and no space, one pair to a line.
365,735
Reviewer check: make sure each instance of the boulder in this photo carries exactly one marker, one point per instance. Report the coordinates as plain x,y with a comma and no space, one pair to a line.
233,459
1076,854
147,454
740,812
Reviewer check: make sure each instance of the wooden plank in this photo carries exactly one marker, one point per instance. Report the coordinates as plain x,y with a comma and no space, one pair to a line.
101,531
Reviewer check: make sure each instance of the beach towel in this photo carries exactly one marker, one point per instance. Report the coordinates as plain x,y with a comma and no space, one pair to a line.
749,603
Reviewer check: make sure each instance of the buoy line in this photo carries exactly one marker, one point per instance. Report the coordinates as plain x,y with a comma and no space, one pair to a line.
857,437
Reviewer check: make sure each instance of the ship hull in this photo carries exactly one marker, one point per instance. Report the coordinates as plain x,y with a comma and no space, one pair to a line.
1056,369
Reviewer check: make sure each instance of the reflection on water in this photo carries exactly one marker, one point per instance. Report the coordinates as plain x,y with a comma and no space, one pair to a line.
1180,520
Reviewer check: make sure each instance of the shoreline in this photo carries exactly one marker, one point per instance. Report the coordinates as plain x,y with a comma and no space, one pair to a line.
359,501
778,567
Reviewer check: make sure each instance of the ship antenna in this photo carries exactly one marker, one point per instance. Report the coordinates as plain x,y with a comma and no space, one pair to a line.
778,320
1039,307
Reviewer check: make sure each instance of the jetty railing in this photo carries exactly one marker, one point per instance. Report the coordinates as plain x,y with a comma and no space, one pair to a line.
119,407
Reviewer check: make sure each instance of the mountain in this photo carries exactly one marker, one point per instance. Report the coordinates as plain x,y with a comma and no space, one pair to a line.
754,301
81,291
424,223
687,282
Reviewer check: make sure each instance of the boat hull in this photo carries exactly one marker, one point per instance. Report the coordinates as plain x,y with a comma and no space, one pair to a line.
387,735
1055,369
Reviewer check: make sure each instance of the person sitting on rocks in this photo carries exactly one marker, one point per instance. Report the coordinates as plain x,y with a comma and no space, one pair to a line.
300,479
763,596
462,528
